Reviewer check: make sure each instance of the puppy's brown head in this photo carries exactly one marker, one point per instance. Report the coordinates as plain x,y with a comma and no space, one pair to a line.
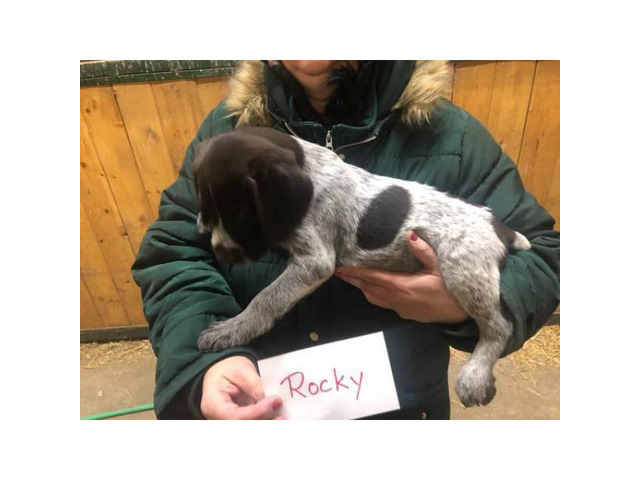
251,190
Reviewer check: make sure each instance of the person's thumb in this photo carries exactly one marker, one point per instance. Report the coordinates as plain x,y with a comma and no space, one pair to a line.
423,252
248,380
262,410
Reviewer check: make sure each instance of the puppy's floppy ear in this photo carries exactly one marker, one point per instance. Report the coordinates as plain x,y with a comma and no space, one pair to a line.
204,195
282,193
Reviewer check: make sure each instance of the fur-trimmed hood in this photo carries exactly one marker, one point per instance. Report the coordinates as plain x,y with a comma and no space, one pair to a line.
247,95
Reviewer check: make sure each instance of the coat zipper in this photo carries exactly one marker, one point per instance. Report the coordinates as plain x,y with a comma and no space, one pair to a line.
370,139
329,139
328,143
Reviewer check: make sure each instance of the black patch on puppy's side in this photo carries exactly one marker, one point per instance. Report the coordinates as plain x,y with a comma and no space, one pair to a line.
383,218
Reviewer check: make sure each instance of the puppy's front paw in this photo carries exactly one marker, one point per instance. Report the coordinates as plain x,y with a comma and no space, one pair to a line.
224,334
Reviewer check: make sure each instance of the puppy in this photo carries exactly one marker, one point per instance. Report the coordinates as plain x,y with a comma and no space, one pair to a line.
258,188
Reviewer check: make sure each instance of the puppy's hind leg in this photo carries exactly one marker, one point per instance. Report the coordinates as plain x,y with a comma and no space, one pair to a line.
479,295
476,382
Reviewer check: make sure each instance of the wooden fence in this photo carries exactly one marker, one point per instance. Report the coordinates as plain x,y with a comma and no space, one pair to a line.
133,137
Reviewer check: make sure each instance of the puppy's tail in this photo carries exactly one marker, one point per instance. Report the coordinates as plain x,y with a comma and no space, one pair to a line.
520,242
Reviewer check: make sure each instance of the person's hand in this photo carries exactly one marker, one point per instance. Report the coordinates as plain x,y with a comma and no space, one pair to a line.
420,296
232,390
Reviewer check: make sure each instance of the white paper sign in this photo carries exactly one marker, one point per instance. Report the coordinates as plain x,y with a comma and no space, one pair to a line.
340,380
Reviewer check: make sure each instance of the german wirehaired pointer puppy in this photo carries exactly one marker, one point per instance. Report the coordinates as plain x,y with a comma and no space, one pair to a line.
259,188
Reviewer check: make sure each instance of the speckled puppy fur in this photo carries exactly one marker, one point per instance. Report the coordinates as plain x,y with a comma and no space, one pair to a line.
356,218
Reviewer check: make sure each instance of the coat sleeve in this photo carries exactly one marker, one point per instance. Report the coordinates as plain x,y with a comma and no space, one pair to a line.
182,290
530,280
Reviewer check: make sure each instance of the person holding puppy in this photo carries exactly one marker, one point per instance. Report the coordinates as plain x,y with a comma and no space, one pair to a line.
389,118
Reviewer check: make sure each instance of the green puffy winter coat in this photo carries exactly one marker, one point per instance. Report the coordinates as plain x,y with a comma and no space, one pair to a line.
407,132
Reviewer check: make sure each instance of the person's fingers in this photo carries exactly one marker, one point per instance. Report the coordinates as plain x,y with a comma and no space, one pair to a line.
262,410
377,301
380,296
246,378
356,282
375,294
219,400
222,406
423,252
232,389
384,278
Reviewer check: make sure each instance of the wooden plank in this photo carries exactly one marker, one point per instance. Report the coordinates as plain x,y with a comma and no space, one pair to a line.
509,104
144,128
212,91
540,152
472,88
552,202
100,111
97,73
180,111
114,334
104,217
89,316
97,277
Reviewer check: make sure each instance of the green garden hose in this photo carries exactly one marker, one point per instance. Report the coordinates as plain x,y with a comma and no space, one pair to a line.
117,413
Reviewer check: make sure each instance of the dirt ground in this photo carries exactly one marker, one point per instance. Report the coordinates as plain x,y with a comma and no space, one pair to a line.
120,375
